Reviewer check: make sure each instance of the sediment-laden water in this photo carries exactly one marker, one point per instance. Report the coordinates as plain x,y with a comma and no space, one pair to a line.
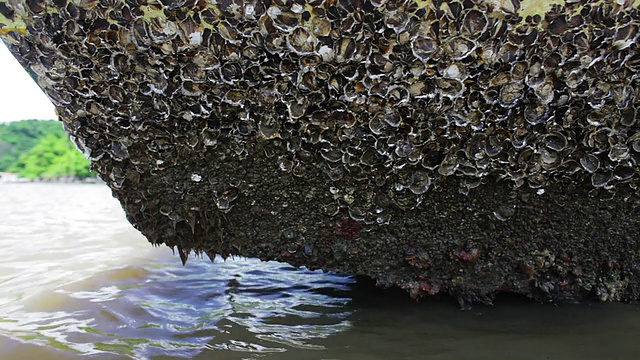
77,280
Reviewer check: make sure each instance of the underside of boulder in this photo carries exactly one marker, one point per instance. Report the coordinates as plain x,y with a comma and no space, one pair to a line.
461,147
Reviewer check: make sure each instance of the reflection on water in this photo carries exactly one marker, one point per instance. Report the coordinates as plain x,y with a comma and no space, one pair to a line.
77,280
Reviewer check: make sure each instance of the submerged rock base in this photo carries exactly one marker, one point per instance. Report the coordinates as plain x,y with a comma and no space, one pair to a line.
462,147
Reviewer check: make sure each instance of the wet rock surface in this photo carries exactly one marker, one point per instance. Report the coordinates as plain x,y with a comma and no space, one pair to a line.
454,147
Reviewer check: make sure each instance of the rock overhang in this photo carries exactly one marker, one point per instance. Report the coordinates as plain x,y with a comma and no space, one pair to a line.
468,147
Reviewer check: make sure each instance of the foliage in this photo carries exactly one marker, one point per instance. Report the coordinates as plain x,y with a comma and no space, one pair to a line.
18,137
35,148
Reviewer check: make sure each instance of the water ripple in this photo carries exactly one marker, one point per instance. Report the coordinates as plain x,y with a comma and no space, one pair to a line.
71,292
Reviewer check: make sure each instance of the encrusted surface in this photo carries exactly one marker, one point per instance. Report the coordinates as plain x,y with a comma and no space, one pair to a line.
440,146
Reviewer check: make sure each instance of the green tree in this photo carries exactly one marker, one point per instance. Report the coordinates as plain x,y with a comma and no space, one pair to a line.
18,137
35,148
54,156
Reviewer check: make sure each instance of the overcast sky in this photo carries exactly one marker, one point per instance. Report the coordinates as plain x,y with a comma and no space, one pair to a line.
20,97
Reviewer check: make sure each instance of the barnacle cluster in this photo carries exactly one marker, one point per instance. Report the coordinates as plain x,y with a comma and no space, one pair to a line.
383,100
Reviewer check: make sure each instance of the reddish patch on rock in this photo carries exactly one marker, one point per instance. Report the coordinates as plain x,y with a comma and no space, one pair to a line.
466,255
328,241
348,228
564,257
418,262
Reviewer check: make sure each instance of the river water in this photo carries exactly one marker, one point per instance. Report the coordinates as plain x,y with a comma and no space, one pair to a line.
76,280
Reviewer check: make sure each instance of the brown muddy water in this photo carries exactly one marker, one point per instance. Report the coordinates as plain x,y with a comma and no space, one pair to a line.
77,281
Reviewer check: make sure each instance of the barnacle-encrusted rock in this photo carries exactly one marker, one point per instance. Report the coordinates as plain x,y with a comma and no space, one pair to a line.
466,146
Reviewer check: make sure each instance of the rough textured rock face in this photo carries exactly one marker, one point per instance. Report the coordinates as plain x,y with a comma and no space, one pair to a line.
465,147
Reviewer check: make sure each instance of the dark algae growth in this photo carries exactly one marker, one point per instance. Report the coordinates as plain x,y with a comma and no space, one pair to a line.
457,147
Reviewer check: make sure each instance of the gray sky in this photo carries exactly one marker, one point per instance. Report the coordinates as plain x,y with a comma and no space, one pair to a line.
20,97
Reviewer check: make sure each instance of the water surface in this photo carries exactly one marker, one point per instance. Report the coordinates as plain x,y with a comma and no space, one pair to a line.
76,280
